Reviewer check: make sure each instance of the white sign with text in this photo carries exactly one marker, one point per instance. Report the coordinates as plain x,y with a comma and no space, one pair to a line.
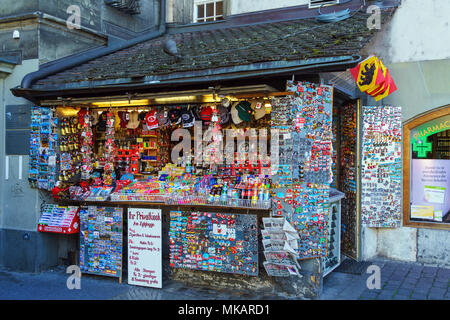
144,247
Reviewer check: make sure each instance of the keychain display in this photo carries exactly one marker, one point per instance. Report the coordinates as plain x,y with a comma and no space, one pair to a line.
208,241
108,174
381,194
348,177
86,145
69,147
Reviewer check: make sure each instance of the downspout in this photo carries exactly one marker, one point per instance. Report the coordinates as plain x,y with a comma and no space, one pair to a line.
30,78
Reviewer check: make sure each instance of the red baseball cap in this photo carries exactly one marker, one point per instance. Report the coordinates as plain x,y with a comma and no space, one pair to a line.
206,113
151,119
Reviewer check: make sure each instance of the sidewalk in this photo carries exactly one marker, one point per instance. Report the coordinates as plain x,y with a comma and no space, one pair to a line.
400,281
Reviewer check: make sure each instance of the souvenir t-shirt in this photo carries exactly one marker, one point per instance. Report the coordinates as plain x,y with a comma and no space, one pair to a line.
124,118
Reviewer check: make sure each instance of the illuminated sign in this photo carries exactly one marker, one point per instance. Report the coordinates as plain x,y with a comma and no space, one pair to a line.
420,134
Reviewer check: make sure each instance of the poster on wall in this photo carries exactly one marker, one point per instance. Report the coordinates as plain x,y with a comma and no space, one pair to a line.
220,242
144,247
381,176
101,240
430,189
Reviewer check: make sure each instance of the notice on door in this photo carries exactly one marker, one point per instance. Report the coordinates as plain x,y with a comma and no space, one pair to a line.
144,247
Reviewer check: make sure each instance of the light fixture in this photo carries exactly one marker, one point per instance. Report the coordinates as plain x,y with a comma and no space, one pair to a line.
120,103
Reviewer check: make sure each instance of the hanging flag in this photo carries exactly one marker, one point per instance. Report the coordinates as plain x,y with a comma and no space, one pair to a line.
368,74
391,88
373,78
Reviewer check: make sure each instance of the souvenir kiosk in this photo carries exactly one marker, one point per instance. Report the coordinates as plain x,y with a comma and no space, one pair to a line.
237,185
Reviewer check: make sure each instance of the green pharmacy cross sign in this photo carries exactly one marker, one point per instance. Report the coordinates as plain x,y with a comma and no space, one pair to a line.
420,134
422,149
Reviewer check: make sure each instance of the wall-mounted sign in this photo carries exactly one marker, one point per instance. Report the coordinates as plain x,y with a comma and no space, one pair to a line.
144,247
420,134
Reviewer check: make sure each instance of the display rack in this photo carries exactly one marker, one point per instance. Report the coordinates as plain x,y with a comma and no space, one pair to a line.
333,258
59,219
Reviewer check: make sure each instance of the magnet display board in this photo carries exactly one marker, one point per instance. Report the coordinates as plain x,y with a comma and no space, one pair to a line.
101,240
144,247
302,181
381,192
208,241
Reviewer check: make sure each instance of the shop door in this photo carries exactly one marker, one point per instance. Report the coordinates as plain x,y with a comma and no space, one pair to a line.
346,141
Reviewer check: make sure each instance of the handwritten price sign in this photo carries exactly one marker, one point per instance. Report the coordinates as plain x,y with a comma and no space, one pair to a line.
144,247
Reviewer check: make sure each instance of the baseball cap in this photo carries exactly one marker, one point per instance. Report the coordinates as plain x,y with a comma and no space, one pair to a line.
244,110
187,117
259,109
151,119
163,118
206,114
226,102
174,115
234,114
224,114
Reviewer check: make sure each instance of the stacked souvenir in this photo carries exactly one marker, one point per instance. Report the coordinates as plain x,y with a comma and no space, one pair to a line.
108,174
70,156
86,144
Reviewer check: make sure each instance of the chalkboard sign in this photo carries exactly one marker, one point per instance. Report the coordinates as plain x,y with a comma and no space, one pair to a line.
220,242
101,241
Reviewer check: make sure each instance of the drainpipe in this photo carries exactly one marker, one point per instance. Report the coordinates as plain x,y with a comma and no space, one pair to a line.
68,63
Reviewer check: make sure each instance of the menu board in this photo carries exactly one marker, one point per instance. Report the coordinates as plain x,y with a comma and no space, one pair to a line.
381,191
208,241
144,247
59,219
101,240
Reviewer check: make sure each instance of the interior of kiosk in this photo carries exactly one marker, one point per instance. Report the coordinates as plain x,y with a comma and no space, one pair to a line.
130,143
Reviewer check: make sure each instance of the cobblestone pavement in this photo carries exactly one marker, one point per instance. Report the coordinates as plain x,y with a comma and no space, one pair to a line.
399,281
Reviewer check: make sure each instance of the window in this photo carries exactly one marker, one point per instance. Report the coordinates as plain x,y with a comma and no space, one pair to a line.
319,3
426,170
207,11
